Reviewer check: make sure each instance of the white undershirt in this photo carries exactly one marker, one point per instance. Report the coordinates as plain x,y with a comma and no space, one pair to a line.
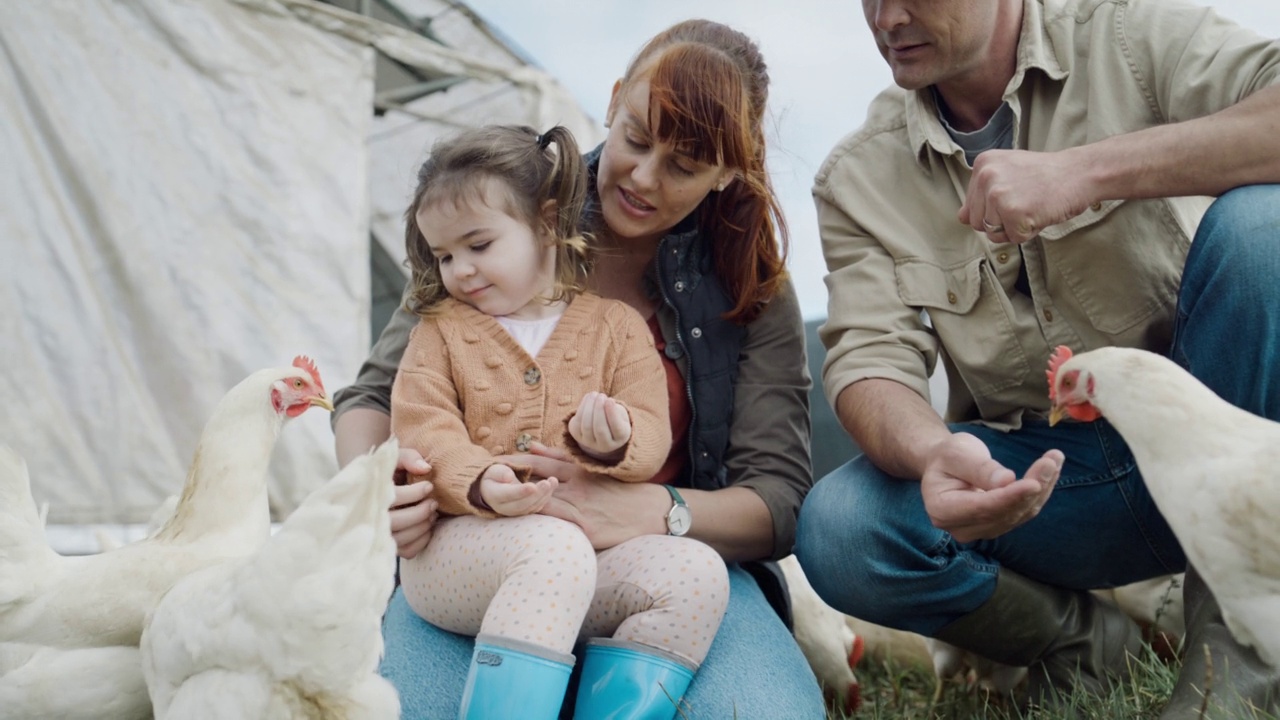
531,334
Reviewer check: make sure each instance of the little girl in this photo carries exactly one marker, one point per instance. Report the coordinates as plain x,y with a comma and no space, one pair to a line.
511,351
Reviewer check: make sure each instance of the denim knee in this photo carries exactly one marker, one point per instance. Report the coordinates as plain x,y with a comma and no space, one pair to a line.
1239,237
1227,329
868,548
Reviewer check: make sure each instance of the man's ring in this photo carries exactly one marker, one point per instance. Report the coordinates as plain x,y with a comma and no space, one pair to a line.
993,229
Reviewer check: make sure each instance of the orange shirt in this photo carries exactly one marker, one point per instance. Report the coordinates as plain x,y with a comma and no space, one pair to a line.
678,396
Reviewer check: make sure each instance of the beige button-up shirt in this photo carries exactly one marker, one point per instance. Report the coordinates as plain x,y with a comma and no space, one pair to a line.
907,282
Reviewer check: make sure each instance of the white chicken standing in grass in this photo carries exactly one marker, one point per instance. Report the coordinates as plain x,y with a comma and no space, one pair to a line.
827,641
101,600
293,631
1210,467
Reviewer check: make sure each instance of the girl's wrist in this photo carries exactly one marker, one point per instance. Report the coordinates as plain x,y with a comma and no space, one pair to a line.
475,498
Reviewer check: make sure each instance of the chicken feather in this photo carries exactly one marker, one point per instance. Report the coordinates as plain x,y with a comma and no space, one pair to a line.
1210,468
293,631
101,600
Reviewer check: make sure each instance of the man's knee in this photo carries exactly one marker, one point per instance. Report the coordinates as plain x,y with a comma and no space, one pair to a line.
1237,239
845,538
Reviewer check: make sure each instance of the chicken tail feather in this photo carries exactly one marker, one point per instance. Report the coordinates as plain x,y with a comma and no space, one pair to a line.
23,546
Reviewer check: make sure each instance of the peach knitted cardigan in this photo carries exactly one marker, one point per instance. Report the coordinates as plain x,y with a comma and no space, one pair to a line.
466,391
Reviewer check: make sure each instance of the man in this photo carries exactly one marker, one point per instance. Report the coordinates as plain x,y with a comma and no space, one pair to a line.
1030,183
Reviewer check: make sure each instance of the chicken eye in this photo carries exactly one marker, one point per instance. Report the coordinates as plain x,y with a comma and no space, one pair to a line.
297,382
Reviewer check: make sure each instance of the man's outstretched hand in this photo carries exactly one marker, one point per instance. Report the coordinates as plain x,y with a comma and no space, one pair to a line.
973,497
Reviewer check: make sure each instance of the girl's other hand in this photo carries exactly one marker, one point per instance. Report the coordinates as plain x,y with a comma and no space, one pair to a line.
601,426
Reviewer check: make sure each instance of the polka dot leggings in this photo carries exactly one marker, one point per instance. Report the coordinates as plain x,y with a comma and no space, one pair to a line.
537,579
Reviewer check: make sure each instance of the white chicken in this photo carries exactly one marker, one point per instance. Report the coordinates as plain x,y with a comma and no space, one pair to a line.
293,631
49,683
1209,466
950,662
827,641
101,600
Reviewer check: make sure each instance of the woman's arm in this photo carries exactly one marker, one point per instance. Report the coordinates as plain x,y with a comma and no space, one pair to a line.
769,432
734,521
358,430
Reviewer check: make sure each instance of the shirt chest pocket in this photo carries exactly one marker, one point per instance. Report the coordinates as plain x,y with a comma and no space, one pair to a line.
972,318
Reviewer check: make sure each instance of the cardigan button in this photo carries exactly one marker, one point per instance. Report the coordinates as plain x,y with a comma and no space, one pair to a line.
532,376
672,351
522,442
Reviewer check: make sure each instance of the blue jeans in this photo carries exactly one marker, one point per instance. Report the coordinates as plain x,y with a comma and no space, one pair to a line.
870,550
753,670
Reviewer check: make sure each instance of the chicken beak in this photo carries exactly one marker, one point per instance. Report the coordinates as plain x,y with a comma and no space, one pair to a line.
321,401
1056,414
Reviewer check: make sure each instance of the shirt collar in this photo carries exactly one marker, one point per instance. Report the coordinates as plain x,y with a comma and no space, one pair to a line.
1035,52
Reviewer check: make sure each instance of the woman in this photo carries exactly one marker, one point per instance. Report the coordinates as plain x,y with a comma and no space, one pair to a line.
690,235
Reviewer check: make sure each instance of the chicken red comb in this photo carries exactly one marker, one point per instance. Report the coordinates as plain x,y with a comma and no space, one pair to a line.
1061,354
302,362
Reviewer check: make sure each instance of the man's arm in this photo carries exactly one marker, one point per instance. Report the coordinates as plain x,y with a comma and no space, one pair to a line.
1026,192
892,424
1206,156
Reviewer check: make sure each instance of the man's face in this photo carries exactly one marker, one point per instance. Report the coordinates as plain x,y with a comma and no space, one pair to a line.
931,42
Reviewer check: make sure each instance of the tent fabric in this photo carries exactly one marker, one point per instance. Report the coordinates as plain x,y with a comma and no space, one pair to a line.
187,197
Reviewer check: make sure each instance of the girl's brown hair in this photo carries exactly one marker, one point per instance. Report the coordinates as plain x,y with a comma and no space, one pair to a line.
708,85
531,172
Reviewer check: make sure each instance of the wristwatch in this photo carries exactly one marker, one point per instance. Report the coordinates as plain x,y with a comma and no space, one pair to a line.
678,517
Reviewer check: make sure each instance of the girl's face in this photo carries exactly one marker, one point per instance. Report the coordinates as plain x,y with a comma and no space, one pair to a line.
645,185
489,260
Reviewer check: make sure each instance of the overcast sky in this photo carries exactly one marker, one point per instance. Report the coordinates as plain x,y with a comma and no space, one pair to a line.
823,65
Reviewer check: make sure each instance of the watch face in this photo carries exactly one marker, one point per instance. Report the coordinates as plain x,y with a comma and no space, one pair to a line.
679,519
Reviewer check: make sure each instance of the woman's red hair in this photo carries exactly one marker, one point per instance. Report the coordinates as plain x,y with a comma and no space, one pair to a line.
708,86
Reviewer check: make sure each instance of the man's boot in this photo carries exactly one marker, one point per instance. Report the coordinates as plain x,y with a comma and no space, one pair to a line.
1237,679
1066,638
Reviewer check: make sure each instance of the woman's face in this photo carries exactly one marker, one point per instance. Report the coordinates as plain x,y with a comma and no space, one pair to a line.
645,185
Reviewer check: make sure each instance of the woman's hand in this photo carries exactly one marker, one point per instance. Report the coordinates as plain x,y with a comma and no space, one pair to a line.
609,511
413,513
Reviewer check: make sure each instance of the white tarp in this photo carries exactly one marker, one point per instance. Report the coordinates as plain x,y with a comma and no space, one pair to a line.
185,198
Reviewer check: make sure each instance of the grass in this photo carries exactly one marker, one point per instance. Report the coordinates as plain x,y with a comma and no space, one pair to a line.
906,693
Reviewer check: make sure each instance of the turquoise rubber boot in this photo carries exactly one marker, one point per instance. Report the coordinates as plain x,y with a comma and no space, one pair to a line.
514,679
628,681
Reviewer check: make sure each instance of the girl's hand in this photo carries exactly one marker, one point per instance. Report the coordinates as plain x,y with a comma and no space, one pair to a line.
608,510
601,426
413,512
506,495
